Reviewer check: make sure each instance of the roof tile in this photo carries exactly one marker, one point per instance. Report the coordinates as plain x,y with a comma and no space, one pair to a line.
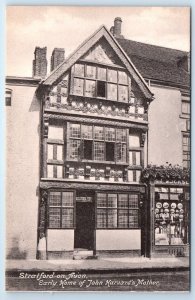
154,62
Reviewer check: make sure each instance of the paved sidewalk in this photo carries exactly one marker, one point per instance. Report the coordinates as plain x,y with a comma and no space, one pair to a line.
100,264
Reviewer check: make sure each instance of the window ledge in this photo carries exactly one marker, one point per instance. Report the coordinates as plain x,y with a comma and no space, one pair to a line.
55,162
185,116
104,162
103,99
136,167
91,181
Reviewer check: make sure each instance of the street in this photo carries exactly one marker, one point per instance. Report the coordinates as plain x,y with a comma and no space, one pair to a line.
98,281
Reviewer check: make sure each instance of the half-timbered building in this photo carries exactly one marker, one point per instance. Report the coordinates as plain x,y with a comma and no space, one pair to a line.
79,142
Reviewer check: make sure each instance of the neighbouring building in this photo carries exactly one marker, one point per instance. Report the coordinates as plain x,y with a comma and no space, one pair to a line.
98,151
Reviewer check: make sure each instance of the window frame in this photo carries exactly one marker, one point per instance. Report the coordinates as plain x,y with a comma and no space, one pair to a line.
55,162
8,99
94,140
117,208
135,169
61,208
95,79
186,114
188,151
185,202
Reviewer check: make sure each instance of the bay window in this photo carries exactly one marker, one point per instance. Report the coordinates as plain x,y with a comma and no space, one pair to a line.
98,143
102,82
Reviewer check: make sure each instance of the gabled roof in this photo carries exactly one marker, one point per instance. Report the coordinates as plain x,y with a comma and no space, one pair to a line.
85,46
155,62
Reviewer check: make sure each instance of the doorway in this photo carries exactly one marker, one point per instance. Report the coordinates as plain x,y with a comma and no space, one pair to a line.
84,232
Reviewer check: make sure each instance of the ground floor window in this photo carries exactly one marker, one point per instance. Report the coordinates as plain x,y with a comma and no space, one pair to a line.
61,210
171,216
116,210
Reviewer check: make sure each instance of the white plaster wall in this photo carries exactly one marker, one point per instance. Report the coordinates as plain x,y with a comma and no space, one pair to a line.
60,240
22,173
118,239
164,137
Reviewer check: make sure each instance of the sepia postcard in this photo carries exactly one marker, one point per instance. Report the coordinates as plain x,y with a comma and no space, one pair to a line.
98,149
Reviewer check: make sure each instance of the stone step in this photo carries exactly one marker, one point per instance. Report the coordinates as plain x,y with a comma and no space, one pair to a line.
83,254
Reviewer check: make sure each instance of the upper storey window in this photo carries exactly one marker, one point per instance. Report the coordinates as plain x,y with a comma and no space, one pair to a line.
185,107
8,97
97,143
101,82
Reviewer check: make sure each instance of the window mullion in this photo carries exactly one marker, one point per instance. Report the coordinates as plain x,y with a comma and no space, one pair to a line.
115,148
104,150
128,211
61,212
117,212
127,145
106,84
55,152
117,86
106,210
93,136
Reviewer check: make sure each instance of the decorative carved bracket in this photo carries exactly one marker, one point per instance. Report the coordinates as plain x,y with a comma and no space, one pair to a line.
43,213
107,175
45,126
87,171
143,138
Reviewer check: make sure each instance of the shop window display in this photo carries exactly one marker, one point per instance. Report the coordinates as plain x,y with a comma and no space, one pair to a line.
170,217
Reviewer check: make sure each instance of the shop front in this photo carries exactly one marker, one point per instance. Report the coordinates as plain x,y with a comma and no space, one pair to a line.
168,214
103,221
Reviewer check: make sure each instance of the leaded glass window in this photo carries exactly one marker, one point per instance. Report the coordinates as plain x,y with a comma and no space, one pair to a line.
79,70
117,210
98,143
90,88
90,71
78,86
109,134
101,73
112,75
122,77
98,151
61,210
98,133
74,149
102,82
112,91
75,130
123,93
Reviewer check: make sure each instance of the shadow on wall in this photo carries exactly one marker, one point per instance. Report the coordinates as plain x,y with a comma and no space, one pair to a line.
15,252
35,105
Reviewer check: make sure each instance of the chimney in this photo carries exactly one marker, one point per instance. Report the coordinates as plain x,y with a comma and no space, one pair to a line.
117,26
57,57
116,29
40,62
112,30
